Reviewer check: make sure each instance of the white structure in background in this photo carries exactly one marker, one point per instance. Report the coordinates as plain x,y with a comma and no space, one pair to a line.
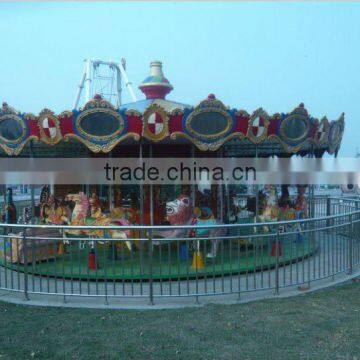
104,78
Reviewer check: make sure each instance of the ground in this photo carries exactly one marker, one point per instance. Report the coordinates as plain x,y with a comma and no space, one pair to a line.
320,325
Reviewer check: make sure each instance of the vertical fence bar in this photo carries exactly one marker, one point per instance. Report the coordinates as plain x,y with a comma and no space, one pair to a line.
350,245
26,295
309,255
63,270
328,210
277,243
151,284
17,264
33,262
356,233
151,275
105,280
238,270
5,239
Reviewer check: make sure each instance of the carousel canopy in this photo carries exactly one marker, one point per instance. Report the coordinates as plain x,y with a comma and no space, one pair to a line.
209,126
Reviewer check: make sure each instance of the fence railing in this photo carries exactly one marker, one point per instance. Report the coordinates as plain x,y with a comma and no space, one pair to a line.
178,261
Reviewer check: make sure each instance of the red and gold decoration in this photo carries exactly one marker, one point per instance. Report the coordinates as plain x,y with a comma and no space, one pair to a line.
258,126
156,123
209,126
49,127
14,130
322,131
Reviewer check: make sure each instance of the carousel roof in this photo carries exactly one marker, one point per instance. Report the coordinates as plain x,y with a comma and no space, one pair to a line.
209,126
142,105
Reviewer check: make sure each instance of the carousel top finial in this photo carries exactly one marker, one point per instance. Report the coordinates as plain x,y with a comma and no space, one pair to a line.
156,86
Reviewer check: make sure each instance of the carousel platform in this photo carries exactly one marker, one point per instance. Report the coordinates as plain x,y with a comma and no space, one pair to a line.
168,263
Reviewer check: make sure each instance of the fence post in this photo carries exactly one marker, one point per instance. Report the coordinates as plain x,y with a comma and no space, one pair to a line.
312,225
151,285
312,201
277,243
328,210
356,226
26,283
63,282
350,252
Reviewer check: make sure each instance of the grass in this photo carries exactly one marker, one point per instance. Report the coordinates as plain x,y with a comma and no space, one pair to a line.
321,325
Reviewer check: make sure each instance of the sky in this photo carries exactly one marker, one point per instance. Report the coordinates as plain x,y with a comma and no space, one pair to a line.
250,55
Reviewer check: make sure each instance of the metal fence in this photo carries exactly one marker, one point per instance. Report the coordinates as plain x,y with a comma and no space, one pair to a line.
181,261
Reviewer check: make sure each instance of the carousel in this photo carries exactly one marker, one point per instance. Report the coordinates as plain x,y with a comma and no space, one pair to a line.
157,127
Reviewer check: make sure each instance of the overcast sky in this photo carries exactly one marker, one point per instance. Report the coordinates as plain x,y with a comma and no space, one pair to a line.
269,55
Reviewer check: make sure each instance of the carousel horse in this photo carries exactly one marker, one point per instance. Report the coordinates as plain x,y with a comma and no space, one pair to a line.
204,217
178,212
285,200
302,211
10,213
85,206
80,211
286,209
56,213
44,200
301,205
53,211
251,203
27,215
264,207
44,247
97,218
125,216
10,209
251,208
129,214
271,209
119,212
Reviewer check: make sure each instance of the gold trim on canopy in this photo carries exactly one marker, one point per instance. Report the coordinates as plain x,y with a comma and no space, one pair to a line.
88,136
209,105
105,148
48,114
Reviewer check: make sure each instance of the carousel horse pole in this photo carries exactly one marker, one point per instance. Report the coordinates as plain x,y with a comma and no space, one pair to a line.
2,210
141,195
256,191
10,209
98,218
32,186
78,217
44,198
215,242
112,252
81,209
151,234
115,201
198,259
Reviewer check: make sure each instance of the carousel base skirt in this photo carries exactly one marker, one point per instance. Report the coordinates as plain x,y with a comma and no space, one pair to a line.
168,261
